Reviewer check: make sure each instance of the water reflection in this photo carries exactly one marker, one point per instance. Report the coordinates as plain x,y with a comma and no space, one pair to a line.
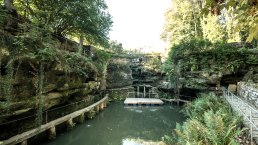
129,142
140,109
119,124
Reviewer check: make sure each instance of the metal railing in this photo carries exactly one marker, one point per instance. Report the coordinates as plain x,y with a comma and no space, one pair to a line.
29,122
100,105
142,95
249,113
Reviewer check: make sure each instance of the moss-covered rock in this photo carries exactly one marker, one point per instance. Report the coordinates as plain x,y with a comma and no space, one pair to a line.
204,64
119,73
120,94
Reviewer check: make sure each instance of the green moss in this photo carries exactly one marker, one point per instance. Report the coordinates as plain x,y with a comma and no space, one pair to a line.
196,56
91,114
117,95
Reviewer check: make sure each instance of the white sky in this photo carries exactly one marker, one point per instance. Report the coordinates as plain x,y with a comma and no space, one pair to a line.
138,23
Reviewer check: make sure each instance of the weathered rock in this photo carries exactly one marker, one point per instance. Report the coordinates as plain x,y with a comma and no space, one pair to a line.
119,74
120,93
232,88
249,91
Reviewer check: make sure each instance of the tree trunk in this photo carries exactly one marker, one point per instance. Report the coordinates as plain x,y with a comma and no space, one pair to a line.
81,44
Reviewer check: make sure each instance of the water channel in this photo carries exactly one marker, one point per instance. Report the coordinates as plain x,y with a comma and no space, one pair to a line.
119,124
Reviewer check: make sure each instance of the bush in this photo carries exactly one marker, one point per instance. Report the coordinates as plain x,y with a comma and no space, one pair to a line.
210,122
204,102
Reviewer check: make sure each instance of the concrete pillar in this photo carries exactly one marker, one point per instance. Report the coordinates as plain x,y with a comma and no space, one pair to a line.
24,142
144,91
102,106
105,104
69,124
97,109
52,133
81,118
138,91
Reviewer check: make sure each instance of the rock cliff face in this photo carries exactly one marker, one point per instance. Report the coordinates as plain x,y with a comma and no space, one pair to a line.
119,73
124,74
19,83
202,65
61,81
249,92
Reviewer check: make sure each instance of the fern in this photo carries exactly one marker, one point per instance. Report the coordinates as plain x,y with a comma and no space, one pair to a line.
211,122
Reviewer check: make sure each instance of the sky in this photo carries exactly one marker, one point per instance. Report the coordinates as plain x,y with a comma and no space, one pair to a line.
138,23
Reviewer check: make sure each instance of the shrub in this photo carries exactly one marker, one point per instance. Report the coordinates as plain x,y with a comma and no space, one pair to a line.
210,122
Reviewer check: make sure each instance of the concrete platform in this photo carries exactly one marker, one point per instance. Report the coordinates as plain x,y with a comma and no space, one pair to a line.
143,101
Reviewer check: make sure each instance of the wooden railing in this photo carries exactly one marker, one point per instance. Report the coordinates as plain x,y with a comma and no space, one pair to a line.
23,137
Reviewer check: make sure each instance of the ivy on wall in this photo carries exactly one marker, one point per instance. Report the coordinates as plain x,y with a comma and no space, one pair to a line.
202,56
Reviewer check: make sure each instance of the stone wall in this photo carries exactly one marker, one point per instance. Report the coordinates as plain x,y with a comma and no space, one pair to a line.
120,93
249,91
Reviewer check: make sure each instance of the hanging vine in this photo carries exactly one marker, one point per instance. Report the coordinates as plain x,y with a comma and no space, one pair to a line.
39,95
9,78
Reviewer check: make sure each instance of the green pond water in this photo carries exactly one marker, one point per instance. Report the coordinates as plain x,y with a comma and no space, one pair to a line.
118,124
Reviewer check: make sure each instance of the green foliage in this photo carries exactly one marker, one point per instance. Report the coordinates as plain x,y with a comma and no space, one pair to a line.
89,19
101,59
243,13
39,114
116,47
199,57
210,122
202,55
182,21
212,29
224,21
117,96
155,64
91,113
6,82
203,103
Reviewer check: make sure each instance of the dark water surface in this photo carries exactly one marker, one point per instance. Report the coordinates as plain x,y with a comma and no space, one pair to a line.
118,123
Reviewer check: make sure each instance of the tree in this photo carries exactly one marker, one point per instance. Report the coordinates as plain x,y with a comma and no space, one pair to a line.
231,23
212,29
88,19
183,21
245,12
116,46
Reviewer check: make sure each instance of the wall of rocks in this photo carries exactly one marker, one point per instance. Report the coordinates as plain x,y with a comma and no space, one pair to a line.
249,91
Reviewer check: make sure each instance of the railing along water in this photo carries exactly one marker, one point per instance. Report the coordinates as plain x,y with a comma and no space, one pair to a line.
249,113
49,125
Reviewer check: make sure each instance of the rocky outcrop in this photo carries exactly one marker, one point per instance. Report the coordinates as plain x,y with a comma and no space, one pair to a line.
119,73
56,91
19,83
249,91
120,93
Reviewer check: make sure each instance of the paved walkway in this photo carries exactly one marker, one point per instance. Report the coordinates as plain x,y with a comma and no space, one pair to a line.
249,113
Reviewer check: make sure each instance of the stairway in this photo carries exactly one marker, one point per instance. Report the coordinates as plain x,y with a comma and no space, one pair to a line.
243,108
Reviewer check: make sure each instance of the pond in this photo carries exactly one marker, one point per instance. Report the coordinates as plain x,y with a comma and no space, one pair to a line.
121,125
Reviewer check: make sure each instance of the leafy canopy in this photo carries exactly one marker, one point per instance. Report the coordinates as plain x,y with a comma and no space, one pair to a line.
89,19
